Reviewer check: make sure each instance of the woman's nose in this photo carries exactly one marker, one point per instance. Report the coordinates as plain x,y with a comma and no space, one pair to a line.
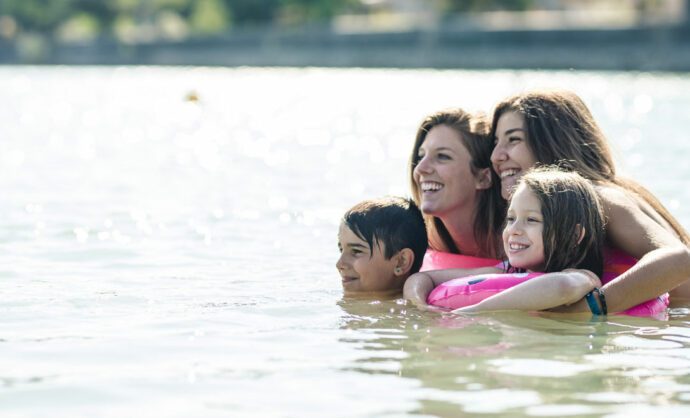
499,154
423,166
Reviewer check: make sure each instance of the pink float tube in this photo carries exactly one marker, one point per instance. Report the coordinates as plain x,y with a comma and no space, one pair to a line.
467,291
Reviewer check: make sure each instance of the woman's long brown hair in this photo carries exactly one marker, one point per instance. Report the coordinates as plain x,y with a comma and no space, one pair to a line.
561,130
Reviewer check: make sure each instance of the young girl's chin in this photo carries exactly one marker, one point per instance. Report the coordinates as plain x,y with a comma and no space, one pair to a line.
528,269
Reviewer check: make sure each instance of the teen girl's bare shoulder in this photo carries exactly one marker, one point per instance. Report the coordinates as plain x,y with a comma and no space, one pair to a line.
631,223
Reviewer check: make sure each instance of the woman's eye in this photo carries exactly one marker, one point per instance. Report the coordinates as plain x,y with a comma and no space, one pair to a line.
514,139
533,220
442,156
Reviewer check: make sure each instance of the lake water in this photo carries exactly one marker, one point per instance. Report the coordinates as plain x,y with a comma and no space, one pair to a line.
167,257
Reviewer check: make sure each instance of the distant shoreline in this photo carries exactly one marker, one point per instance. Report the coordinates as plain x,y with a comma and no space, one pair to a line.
635,49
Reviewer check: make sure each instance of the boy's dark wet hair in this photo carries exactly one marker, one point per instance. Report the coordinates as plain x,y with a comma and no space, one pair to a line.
393,221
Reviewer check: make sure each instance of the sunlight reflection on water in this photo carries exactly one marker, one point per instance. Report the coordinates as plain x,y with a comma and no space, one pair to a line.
168,241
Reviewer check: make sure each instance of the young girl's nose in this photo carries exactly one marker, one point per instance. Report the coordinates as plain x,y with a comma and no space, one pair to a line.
513,229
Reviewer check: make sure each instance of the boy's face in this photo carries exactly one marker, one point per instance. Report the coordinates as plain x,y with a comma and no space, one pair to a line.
364,270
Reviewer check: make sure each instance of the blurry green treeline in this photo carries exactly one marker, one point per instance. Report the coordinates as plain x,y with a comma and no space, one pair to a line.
141,20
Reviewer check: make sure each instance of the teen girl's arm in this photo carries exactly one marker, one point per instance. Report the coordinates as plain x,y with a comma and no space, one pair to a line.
419,285
540,293
664,262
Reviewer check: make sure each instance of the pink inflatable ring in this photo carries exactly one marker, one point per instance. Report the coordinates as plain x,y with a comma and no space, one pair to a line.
465,291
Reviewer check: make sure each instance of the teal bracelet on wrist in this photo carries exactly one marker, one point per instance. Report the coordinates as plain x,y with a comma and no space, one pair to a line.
592,302
602,300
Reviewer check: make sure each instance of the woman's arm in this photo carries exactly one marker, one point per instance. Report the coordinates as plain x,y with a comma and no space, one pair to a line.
542,292
418,286
664,262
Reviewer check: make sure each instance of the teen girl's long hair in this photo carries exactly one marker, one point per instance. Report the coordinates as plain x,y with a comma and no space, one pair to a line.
561,130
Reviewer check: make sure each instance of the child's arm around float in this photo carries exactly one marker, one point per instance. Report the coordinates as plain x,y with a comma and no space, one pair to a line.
540,293
419,285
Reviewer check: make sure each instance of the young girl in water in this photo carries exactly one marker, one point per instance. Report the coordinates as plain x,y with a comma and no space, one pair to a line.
554,225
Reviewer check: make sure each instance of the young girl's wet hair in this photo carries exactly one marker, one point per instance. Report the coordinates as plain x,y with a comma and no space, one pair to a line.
569,203
393,221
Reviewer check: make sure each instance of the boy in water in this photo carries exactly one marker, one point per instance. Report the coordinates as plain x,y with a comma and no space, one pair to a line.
382,242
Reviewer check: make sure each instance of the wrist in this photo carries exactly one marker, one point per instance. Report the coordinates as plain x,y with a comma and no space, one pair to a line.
597,302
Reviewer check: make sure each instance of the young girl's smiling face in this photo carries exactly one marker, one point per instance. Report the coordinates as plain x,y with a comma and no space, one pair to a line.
365,270
522,237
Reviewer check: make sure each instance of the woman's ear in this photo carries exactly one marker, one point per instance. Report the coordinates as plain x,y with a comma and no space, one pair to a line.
403,262
483,179
582,230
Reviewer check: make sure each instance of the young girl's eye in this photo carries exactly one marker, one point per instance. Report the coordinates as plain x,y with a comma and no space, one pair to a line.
514,139
510,219
533,220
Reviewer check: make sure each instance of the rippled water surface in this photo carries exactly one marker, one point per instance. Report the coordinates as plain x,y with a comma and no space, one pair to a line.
168,240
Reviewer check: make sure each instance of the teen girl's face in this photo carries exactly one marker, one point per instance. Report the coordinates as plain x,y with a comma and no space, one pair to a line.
512,154
443,175
522,237
364,270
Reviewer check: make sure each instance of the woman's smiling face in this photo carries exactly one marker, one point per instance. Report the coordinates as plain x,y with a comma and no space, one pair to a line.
443,174
512,153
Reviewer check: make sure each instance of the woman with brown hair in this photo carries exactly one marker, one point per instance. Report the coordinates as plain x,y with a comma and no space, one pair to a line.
453,184
556,127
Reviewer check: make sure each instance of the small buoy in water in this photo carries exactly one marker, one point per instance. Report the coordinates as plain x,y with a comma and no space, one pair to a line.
192,97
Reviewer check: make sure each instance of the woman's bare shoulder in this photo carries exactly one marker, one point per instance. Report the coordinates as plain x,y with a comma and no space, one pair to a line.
631,224
613,195
620,203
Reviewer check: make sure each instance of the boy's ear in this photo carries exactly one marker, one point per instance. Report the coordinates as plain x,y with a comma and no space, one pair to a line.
483,179
403,262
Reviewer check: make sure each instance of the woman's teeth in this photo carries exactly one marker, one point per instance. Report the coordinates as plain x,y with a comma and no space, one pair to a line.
508,173
426,187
